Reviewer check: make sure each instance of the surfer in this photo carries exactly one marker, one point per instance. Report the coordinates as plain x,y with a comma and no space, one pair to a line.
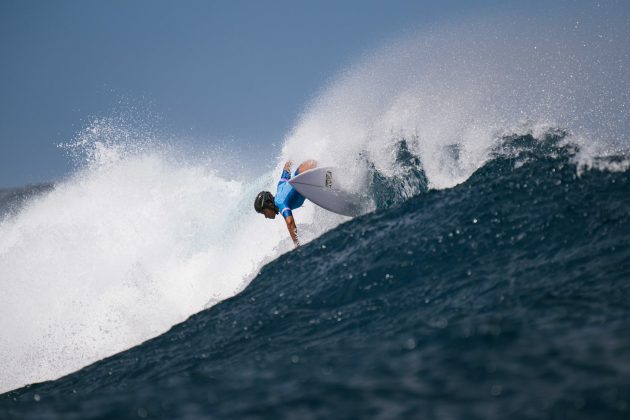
286,200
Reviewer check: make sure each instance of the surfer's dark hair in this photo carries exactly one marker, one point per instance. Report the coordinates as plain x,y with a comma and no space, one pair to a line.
264,200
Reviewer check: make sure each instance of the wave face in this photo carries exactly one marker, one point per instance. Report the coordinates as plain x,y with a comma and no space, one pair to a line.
505,294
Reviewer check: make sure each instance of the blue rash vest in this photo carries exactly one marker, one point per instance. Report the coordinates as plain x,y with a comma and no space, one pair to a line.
287,198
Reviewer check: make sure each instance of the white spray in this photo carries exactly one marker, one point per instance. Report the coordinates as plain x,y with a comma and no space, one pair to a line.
463,87
130,245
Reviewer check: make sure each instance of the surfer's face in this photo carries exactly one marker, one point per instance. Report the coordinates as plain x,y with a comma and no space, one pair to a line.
269,214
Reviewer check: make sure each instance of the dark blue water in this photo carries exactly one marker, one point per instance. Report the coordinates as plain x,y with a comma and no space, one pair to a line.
504,297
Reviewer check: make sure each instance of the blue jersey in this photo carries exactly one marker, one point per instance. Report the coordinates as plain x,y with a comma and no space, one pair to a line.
287,197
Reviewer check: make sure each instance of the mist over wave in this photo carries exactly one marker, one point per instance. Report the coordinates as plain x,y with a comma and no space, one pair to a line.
111,257
140,238
454,91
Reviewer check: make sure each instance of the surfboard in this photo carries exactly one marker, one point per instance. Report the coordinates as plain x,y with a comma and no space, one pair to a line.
321,186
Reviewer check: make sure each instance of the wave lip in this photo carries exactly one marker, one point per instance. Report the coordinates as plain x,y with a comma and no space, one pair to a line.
452,91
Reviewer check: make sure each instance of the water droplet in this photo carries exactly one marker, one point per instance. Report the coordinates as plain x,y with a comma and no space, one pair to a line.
441,323
37,398
410,344
496,390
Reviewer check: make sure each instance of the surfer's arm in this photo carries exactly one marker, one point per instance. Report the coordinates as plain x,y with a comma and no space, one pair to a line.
292,230
286,172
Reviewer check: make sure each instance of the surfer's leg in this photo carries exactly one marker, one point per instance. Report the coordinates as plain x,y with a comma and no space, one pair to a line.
305,166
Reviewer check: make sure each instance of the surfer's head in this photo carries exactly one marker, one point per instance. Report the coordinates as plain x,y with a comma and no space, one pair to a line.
264,204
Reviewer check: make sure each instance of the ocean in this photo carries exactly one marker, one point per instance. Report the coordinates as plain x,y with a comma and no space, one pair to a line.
486,279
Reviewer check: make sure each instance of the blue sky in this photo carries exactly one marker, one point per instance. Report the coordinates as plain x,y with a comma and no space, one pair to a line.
239,70
211,69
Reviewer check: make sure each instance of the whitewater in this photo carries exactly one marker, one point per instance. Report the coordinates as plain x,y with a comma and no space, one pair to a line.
140,237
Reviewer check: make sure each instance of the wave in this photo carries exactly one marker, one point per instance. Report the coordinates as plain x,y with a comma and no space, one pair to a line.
472,301
140,237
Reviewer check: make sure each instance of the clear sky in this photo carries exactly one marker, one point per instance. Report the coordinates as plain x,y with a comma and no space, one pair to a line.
240,70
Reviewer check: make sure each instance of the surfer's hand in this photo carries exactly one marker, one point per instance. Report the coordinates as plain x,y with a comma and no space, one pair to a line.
292,230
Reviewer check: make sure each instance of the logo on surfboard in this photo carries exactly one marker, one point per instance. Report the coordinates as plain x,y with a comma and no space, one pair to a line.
329,179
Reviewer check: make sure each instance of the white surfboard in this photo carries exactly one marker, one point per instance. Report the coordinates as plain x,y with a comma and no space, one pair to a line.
320,185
